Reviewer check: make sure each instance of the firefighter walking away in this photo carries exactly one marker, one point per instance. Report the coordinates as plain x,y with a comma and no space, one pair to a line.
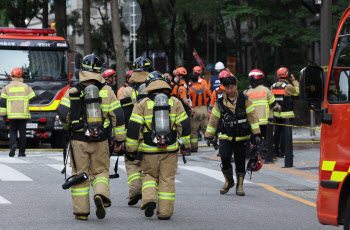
163,120
85,109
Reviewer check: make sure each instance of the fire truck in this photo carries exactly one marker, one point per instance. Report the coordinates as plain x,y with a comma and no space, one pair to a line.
44,60
333,93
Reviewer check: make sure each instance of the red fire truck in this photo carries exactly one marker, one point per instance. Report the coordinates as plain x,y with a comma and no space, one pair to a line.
333,199
45,64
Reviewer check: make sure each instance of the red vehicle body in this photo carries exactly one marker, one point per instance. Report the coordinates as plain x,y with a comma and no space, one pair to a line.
45,64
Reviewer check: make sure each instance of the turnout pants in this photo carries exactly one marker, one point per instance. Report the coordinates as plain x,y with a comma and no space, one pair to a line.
20,125
238,148
278,136
199,120
93,159
158,181
133,170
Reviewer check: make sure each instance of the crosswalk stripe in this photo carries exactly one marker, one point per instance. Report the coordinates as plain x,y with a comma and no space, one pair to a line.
11,160
9,174
59,167
4,201
208,172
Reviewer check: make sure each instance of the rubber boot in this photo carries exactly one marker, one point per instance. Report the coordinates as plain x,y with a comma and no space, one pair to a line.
229,181
239,187
133,200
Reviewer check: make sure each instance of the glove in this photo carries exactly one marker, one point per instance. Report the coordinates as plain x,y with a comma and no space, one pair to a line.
130,156
209,140
257,140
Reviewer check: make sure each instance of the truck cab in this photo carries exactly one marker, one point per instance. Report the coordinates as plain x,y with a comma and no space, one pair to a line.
45,63
333,93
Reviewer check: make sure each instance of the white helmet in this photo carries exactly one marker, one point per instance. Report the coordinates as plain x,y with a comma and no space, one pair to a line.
219,66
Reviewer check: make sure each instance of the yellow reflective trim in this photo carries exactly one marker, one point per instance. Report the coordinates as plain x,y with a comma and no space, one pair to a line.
150,104
52,107
17,89
338,176
328,165
103,93
242,138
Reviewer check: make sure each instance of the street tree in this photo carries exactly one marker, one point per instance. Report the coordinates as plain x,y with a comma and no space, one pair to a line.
87,27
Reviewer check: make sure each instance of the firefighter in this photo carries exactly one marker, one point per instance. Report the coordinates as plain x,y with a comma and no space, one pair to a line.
201,80
199,95
214,81
110,77
169,76
283,91
163,121
181,91
14,103
120,90
237,118
85,109
141,68
262,98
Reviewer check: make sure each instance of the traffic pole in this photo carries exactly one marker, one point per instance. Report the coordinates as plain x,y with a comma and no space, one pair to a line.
269,140
288,144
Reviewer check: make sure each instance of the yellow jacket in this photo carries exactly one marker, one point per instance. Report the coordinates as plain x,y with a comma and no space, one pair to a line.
15,98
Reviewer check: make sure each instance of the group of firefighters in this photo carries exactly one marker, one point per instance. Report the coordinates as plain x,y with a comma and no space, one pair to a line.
151,118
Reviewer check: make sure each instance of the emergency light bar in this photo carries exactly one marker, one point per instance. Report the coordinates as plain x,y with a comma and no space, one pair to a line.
26,31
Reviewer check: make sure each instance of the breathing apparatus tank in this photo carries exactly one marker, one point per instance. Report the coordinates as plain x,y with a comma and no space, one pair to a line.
142,94
161,117
93,110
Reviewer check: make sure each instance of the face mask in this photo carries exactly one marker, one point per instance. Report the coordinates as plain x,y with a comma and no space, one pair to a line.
176,80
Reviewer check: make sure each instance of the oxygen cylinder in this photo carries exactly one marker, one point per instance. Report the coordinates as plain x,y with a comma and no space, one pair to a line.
162,122
93,109
142,94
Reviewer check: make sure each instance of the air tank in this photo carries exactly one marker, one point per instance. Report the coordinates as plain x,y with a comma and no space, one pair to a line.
162,122
93,109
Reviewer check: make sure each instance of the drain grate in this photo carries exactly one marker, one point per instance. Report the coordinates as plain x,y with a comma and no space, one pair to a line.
308,168
301,190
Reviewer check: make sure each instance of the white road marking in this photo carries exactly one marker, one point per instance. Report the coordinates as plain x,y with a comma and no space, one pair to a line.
208,172
4,201
12,160
59,167
9,174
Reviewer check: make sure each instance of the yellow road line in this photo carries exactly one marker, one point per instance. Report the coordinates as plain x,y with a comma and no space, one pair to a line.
273,189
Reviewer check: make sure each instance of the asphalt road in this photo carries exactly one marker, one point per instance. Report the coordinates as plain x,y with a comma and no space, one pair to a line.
31,196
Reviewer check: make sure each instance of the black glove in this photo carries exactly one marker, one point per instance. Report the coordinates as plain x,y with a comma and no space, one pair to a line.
257,139
131,156
209,140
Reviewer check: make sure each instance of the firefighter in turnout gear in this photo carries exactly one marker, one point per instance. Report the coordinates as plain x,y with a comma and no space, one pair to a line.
14,103
142,67
199,95
262,98
85,109
163,121
235,117
283,91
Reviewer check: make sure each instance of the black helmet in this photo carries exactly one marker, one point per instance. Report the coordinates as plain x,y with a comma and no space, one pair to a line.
92,63
142,64
155,75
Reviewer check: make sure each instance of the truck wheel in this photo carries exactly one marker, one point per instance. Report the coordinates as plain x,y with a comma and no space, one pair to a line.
347,215
58,140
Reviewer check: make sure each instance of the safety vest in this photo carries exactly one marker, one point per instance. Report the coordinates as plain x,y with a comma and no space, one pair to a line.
234,124
281,98
198,93
187,95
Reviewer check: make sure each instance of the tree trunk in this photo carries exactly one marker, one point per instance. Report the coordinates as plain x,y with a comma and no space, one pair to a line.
61,17
45,7
172,44
239,44
24,13
87,27
190,41
118,43
285,53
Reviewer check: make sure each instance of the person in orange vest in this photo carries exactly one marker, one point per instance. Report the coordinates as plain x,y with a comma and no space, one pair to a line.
14,103
201,80
120,90
199,95
169,76
182,91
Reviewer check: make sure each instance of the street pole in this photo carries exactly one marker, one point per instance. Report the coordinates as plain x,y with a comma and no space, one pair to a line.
326,33
133,5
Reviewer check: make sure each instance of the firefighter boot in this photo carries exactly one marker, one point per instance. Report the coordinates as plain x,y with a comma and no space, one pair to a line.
13,150
100,209
149,209
239,187
133,200
21,154
229,181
